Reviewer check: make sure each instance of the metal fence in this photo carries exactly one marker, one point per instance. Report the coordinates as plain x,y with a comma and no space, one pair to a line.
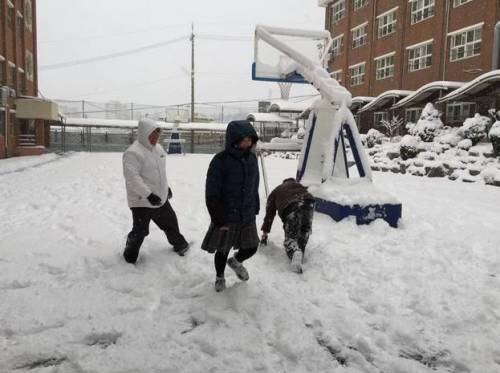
111,139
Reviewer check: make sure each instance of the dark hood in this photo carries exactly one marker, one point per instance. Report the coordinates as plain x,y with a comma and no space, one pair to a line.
237,130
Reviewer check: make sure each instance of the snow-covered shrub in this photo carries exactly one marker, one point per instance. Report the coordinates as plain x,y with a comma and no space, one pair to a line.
494,136
408,147
373,137
465,144
362,137
428,125
391,126
475,129
449,136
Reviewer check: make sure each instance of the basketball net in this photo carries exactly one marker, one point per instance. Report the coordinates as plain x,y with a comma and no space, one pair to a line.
285,90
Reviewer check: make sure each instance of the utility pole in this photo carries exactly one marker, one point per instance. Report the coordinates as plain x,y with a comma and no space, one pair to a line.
192,73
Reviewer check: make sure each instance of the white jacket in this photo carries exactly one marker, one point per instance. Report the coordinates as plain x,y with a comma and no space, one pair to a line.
144,168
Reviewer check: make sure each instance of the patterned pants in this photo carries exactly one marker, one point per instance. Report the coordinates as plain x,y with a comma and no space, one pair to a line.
298,226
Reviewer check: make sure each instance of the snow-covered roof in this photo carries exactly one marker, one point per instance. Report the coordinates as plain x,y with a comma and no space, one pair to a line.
359,101
427,90
383,98
268,117
118,123
474,86
290,106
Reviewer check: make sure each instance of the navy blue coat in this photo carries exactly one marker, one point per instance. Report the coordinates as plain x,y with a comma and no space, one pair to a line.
232,186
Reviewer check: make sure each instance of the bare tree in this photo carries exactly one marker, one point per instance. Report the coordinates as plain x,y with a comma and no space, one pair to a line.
391,126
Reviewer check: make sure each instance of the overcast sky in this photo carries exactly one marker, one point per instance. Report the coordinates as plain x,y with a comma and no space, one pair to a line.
78,29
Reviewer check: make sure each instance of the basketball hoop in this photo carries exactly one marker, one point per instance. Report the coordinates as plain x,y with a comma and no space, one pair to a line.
285,88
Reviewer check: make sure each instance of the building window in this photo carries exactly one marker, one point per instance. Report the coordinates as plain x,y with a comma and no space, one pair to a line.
357,74
466,44
19,25
10,14
12,74
21,82
412,115
359,4
29,66
384,67
28,14
359,35
338,11
420,57
2,67
459,111
387,23
457,3
337,75
421,10
379,116
337,45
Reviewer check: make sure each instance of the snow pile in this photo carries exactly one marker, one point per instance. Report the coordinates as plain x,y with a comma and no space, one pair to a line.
428,125
19,164
475,129
351,192
494,136
465,144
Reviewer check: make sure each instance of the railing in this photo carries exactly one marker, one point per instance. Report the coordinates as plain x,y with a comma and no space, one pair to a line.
27,140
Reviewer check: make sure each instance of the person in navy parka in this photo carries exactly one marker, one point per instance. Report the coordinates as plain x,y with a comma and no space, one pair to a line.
232,198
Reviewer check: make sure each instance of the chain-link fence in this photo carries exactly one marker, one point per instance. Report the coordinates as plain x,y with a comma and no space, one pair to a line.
111,139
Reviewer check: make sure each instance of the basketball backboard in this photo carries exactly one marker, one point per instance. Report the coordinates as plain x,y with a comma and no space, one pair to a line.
278,65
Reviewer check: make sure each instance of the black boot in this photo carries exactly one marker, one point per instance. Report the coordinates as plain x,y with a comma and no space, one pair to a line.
132,248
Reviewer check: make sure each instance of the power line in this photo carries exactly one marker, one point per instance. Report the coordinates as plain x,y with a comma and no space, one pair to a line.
111,55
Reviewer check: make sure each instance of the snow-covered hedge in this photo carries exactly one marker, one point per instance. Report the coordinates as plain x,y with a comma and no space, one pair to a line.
494,136
465,144
428,125
373,137
408,147
475,129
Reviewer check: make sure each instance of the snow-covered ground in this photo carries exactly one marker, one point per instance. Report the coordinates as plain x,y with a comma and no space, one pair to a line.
424,297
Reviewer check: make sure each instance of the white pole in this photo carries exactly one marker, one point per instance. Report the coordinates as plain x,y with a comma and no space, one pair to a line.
264,173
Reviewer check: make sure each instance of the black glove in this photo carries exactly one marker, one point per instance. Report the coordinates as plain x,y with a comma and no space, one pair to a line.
154,199
169,193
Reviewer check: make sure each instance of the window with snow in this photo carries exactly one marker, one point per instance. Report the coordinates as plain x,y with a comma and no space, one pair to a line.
338,11
459,111
357,74
28,14
359,35
421,10
466,44
420,57
12,73
337,45
412,115
29,66
337,75
387,23
384,67
457,3
358,4
379,116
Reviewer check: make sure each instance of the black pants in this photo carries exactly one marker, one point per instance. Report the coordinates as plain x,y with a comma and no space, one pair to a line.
220,259
164,217
298,226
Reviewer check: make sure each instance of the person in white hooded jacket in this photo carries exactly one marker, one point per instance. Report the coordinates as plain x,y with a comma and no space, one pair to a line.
148,191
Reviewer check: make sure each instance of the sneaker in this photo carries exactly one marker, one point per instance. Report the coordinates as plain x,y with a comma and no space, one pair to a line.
297,261
182,249
238,268
220,284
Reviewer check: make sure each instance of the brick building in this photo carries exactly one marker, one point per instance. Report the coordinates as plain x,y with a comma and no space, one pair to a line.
387,51
24,119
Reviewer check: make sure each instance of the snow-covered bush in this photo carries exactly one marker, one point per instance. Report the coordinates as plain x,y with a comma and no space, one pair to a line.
373,137
475,129
408,147
449,136
428,125
362,137
391,126
494,136
465,144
